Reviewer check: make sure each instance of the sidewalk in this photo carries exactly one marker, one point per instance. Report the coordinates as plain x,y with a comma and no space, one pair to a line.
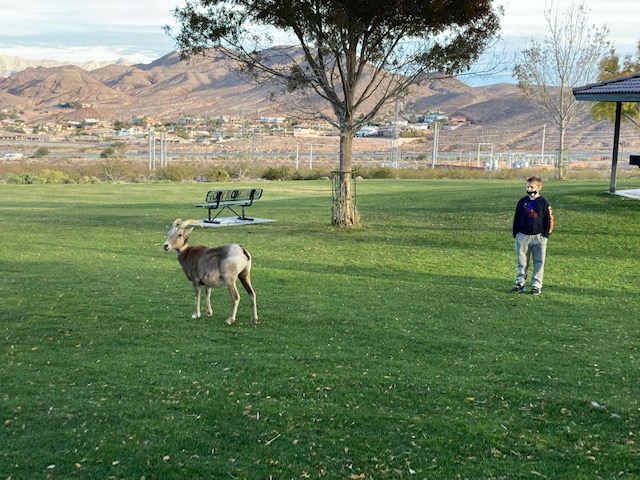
628,193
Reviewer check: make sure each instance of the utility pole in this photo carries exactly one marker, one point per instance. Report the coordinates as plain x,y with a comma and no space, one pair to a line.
434,152
544,133
163,150
152,150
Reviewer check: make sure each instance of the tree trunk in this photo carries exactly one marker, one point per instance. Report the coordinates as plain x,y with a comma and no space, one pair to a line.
343,211
561,165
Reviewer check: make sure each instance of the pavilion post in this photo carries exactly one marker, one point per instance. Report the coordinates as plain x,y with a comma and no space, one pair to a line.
616,142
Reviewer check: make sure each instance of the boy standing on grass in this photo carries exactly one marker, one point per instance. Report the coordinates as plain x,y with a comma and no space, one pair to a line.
532,225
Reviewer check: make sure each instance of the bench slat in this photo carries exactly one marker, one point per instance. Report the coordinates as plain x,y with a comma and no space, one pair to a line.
223,203
239,195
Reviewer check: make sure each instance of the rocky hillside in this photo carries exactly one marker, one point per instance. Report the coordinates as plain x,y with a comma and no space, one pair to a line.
169,88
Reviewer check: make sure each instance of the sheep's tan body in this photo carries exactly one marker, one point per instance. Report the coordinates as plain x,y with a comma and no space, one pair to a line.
212,267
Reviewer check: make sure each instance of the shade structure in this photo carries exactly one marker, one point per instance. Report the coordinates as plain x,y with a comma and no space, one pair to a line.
618,90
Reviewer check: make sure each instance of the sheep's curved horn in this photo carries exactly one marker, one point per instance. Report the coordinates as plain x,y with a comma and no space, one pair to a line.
190,223
176,222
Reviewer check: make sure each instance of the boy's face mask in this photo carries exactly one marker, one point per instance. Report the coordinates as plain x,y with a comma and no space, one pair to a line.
532,190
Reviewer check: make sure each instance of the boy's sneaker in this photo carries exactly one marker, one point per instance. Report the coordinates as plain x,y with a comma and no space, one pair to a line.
535,291
517,289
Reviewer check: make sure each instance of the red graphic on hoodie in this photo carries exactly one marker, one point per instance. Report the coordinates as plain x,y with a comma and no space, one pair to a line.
529,211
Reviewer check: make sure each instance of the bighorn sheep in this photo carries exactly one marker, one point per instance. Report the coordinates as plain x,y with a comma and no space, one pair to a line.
212,267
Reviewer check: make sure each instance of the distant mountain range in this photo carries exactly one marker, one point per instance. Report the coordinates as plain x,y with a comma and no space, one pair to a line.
164,89
10,65
169,88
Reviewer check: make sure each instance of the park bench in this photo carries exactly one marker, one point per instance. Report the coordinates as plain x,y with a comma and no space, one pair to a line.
222,199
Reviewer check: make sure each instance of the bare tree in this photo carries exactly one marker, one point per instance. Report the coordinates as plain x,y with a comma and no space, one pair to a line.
568,57
349,58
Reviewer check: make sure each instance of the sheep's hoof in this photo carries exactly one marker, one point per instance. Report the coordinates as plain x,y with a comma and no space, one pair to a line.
195,316
229,321
254,321
209,313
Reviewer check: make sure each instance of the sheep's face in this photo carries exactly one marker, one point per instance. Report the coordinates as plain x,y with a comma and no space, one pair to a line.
176,238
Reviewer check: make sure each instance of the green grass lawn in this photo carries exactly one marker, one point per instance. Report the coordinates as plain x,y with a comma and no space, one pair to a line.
391,351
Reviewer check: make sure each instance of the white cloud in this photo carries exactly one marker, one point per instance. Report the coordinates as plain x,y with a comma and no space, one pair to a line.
38,16
103,30
77,30
524,20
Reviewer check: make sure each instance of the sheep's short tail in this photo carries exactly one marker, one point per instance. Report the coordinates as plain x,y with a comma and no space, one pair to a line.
246,253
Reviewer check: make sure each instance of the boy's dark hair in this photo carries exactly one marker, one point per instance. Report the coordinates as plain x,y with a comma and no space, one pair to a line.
537,180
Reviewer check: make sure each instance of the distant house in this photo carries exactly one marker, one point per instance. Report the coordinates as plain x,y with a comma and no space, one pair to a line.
459,120
303,131
127,132
272,120
368,131
435,117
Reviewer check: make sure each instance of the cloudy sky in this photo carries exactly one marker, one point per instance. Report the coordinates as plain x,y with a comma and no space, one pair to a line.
83,30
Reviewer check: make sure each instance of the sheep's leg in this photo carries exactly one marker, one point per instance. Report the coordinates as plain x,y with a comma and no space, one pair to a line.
208,299
245,278
196,291
235,299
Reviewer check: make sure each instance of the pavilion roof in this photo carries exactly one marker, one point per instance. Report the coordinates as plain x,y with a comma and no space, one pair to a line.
621,89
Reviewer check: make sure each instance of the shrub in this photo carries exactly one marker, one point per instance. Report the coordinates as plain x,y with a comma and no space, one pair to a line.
242,169
32,179
108,152
115,170
382,172
377,172
20,178
277,173
41,152
217,175
177,173
54,176
315,174
89,179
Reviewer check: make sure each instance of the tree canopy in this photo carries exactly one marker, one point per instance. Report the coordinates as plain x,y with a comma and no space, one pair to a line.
353,56
613,66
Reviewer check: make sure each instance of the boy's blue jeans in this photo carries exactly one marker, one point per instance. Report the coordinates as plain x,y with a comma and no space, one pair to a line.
532,247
